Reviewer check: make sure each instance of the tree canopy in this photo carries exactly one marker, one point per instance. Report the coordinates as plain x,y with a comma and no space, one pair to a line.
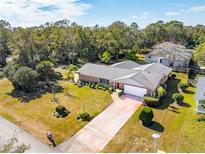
63,42
199,54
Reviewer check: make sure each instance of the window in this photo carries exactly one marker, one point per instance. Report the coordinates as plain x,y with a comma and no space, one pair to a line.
104,81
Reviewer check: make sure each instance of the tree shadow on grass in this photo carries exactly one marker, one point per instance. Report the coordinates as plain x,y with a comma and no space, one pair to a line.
173,110
156,126
189,92
171,89
183,104
26,97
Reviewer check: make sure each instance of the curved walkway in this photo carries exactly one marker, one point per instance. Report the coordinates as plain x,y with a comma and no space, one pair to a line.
97,133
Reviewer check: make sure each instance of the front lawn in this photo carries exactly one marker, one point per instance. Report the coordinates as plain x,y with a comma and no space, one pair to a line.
181,129
36,116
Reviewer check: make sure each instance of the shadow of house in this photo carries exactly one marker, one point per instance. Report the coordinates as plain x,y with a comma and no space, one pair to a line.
26,97
156,127
171,89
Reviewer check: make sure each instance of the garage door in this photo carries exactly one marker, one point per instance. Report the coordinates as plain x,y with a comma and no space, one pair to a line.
136,91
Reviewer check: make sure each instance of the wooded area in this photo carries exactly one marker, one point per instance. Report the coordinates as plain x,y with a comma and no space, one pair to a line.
64,42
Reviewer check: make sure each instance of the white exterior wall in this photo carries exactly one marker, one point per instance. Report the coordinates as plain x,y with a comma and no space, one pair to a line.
152,59
165,62
76,77
199,108
179,63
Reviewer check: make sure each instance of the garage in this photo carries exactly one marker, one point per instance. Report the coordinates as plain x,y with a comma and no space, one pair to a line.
136,91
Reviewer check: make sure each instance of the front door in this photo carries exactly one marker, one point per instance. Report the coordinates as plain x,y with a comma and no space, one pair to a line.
117,85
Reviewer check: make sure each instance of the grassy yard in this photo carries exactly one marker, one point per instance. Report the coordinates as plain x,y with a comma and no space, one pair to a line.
140,58
181,129
36,116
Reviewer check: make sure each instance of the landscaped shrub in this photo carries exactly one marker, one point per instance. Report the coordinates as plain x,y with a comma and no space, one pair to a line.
110,89
101,87
1,74
119,92
177,97
173,76
61,112
183,86
79,84
146,116
161,92
151,101
84,116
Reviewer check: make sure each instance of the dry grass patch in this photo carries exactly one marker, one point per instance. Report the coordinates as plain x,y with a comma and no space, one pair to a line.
36,116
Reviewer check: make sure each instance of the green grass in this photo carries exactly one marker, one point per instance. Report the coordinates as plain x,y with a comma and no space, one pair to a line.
140,58
36,116
183,129
64,72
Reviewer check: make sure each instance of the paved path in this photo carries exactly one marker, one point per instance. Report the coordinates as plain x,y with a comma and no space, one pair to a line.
97,133
8,130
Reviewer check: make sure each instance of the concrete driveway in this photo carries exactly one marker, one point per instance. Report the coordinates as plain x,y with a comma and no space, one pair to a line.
9,130
97,133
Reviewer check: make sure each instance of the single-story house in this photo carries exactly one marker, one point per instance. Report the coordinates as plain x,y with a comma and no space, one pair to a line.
200,95
170,54
133,78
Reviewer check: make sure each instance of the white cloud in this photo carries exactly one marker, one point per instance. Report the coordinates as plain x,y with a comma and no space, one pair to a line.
172,14
143,16
200,8
36,12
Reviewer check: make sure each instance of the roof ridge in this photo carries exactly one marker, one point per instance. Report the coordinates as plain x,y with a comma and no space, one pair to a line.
141,72
127,76
108,66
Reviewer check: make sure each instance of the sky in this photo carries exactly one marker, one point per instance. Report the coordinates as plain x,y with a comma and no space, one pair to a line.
28,13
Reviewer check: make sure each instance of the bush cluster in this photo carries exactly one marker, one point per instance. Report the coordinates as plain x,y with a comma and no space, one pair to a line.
61,112
178,97
151,101
146,116
173,76
84,116
183,86
119,92
161,92
95,85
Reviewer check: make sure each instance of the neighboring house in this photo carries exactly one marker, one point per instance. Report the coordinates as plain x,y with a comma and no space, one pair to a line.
133,78
200,95
169,54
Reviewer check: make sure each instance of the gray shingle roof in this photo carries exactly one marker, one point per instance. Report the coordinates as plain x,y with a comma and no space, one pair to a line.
128,64
147,76
200,92
145,79
171,51
103,71
159,68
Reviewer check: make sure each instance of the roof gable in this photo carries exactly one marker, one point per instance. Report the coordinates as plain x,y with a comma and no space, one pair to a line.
103,71
128,64
171,51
